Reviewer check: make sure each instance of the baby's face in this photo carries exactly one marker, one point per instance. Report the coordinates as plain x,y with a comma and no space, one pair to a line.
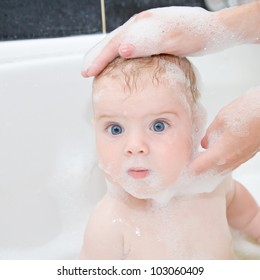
144,137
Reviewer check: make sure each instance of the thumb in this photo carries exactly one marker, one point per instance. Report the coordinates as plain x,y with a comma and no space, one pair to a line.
205,161
212,131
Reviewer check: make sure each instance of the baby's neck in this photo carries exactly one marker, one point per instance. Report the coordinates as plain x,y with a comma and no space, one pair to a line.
124,197
187,185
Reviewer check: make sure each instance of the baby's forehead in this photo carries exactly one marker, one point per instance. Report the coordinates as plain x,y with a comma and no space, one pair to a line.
113,96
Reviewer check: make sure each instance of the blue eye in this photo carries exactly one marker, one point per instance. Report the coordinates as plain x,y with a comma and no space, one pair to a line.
159,126
115,129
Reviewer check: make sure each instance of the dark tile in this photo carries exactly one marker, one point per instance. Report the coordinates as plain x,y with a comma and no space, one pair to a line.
29,19
119,11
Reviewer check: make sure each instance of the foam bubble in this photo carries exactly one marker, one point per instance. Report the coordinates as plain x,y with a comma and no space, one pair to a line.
97,95
217,35
143,33
244,247
189,184
173,73
237,120
213,138
148,33
152,187
198,125
141,188
221,162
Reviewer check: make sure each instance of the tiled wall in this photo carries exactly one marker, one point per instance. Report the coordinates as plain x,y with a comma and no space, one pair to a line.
30,19
118,11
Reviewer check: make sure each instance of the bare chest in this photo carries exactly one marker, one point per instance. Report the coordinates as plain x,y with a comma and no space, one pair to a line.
189,229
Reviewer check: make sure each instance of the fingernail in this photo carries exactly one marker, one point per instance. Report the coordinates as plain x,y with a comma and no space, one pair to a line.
126,50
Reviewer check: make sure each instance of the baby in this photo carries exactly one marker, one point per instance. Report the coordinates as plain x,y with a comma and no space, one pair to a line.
148,124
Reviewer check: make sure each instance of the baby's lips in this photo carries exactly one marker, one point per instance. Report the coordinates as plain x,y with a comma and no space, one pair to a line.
138,173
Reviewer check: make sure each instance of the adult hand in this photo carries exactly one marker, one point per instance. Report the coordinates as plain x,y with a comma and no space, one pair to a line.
161,30
181,31
233,137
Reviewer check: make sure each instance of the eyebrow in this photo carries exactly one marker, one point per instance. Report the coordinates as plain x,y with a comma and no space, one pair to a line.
110,116
106,116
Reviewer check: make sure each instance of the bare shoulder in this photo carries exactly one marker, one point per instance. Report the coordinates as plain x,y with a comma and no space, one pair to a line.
110,208
103,238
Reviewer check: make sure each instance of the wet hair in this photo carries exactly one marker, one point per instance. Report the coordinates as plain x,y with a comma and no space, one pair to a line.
160,67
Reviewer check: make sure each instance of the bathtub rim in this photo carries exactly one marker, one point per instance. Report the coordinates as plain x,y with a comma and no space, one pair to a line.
34,49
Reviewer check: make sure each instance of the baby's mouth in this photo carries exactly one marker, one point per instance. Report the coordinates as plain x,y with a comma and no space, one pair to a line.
138,173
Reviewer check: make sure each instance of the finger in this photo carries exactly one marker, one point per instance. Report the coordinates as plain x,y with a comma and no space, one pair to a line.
139,49
212,132
204,142
206,161
127,51
100,55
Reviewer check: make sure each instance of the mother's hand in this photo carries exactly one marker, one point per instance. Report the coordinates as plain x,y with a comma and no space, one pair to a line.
233,137
174,30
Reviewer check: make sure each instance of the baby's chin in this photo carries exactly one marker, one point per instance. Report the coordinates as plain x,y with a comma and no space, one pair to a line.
140,192
146,188
153,187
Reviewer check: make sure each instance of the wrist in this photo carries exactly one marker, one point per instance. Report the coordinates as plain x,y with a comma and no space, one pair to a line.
242,21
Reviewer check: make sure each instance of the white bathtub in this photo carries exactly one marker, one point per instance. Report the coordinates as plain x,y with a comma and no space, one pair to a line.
47,143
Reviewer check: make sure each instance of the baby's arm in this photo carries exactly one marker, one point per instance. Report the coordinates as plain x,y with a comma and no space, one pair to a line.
243,213
103,239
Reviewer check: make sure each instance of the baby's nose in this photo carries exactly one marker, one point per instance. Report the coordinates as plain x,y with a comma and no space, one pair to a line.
136,145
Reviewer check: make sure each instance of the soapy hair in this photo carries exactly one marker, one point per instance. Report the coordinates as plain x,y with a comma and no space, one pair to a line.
162,68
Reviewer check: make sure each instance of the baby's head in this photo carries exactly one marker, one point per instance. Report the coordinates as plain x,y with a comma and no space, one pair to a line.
147,120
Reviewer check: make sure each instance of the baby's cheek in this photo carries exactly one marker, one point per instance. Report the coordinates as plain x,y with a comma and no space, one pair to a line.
109,167
176,155
108,159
